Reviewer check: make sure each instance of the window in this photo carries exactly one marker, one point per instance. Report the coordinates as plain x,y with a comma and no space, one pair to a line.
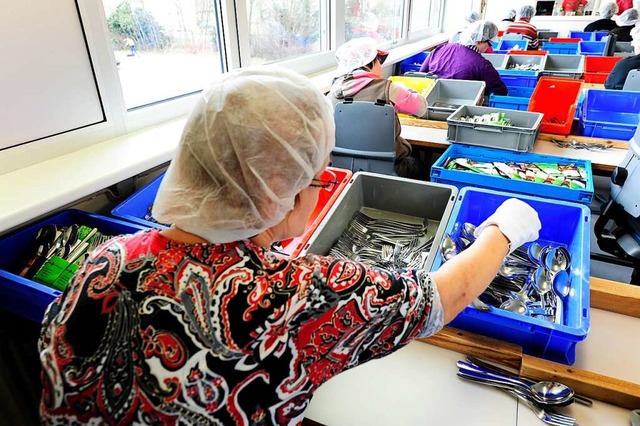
163,48
283,29
380,19
419,15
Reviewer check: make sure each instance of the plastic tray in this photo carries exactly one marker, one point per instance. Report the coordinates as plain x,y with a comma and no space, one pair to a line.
565,224
29,298
556,98
546,35
497,60
566,66
413,63
612,114
592,48
583,35
525,59
521,92
136,206
454,93
427,200
623,48
560,48
415,83
517,78
599,35
519,137
509,102
461,178
597,68
506,44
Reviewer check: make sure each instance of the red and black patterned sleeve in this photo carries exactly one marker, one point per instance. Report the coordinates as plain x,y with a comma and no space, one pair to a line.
355,313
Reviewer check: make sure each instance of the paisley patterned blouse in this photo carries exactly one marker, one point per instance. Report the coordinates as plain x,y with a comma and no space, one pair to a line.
152,331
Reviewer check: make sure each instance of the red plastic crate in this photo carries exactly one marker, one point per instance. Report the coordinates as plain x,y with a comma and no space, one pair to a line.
564,40
556,98
528,52
597,68
293,246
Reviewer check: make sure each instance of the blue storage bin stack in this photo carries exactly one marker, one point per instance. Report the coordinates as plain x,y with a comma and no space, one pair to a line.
413,63
461,179
135,208
517,99
612,114
584,35
29,298
578,113
561,48
507,45
564,224
520,83
592,48
599,35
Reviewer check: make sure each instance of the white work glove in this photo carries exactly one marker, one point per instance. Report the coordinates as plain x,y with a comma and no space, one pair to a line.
517,220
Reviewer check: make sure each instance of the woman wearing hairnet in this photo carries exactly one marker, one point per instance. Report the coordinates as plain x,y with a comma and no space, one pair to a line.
626,21
464,60
620,71
201,323
508,19
469,18
524,27
360,63
605,23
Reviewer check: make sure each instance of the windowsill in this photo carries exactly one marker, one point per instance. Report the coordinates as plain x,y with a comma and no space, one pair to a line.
39,189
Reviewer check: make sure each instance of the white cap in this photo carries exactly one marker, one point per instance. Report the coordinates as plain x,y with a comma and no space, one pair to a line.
254,140
478,31
357,53
608,9
472,17
627,18
527,12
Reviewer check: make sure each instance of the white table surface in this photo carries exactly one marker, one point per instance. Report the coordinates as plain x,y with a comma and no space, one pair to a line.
417,385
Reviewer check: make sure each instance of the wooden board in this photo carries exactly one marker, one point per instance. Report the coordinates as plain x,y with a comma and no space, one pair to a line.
615,297
592,385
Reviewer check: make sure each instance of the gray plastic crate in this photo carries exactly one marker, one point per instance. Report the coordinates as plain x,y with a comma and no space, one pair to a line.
519,137
497,59
393,195
447,95
623,48
515,59
546,35
568,66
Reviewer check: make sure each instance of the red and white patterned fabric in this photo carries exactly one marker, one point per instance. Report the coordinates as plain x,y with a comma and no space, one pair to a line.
528,31
151,331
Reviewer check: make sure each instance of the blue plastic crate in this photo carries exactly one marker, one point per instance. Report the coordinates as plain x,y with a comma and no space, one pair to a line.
29,298
565,224
520,92
612,114
584,35
578,113
461,179
135,207
413,63
517,78
500,52
509,102
592,48
512,44
560,48
599,35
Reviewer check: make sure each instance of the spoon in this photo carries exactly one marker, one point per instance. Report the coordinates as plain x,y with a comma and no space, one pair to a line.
561,283
468,231
514,305
448,248
534,252
541,280
556,260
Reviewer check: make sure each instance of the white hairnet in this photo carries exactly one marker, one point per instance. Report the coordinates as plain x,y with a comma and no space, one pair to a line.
478,31
635,35
472,17
527,12
627,18
254,140
357,53
607,10
511,14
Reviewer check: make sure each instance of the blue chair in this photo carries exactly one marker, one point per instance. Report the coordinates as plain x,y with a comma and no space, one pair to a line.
365,137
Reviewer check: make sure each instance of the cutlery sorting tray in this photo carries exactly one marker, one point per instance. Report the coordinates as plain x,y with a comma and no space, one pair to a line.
462,178
24,296
563,224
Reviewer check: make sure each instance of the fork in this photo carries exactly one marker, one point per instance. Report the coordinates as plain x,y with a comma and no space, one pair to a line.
546,416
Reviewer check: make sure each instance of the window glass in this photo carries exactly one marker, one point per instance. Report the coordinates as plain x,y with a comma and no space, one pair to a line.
163,48
283,29
380,19
436,13
419,15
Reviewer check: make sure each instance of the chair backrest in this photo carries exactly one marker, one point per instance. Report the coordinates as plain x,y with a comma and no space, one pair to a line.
365,137
633,81
610,44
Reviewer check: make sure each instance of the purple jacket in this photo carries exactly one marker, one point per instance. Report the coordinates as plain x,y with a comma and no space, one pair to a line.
455,61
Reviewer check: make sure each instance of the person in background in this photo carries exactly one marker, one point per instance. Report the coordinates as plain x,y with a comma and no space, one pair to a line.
626,22
469,18
509,18
464,61
605,23
201,323
522,26
360,64
570,7
618,74
624,5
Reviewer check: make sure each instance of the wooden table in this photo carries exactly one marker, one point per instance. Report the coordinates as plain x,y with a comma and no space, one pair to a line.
433,134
